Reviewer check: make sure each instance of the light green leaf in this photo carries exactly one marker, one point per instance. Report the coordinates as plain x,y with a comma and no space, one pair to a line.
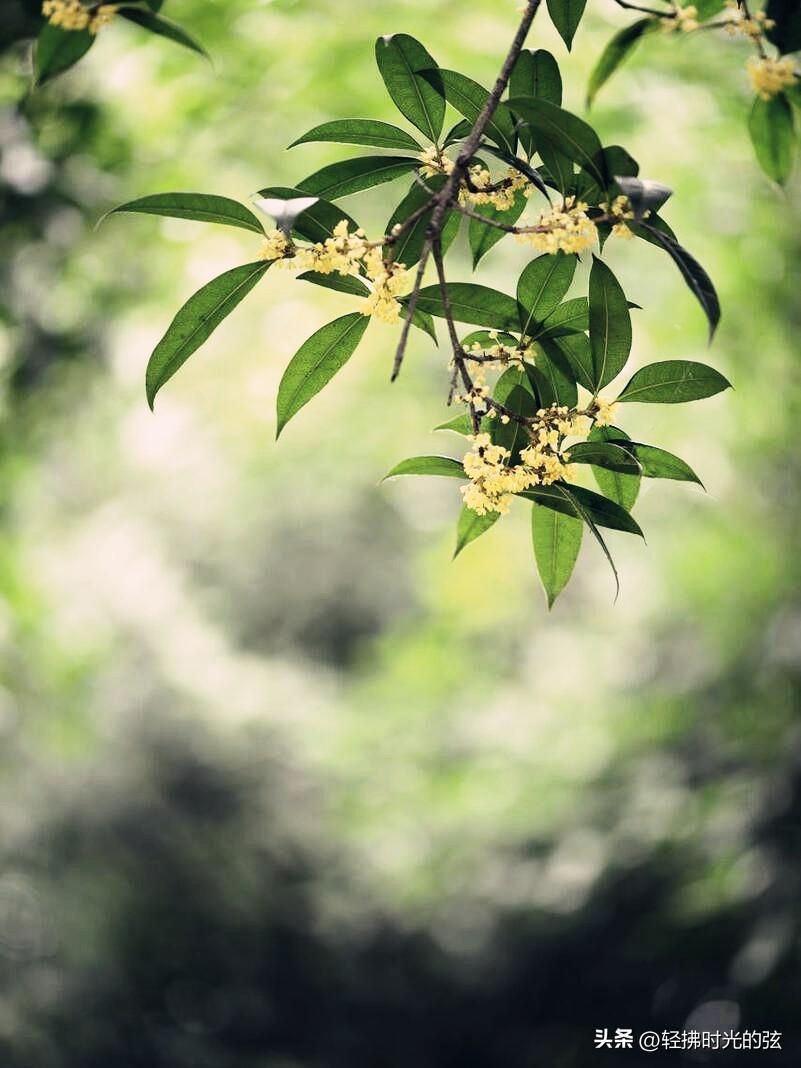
471,525
557,541
316,362
162,27
353,175
673,382
472,303
428,465
566,16
199,206
610,325
617,50
368,132
196,321
399,58
773,136
541,286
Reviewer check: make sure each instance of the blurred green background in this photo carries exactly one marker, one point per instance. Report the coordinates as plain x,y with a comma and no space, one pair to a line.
279,788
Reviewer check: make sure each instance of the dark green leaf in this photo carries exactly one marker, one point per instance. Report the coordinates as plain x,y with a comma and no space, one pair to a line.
557,541
57,50
368,132
604,454
565,132
521,165
317,222
557,371
399,58
617,50
589,519
409,246
469,98
610,324
602,511
428,465
512,435
483,237
541,286
673,382
560,170
342,283
613,160
536,73
693,273
199,206
572,317
162,27
471,525
773,136
458,132
786,34
658,463
576,350
316,362
472,304
353,175
423,321
196,320
621,488
566,15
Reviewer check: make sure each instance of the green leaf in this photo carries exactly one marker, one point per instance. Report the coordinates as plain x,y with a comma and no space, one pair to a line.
559,169
557,371
342,283
482,237
566,133
519,164
613,160
368,132
353,175
317,222
586,515
571,317
471,525
658,463
621,488
197,320
472,303
428,465
423,321
460,424
604,454
469,98
162,27
409,246
576,350
773,136
57,50
617,50
199,206
541,286
512,435
399,58
557,541
610,324
694,275
566,15
786,34
673,382
536,73
316,362
602,511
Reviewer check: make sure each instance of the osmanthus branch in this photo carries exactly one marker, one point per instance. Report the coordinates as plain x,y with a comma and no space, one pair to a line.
644,10
450,190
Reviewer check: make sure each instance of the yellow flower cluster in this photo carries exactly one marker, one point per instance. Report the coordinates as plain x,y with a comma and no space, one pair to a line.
681,19
435,162
493,481
72,15
501,198
620,209
349,254
771,76
604,412
738,22
568,229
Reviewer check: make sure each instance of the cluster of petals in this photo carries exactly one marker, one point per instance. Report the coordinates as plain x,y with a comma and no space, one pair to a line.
565,229
771,76
72,15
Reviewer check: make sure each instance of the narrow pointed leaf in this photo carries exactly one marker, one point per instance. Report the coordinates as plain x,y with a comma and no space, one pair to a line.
512,435
571,317
353,175
673,382
196,320
589,519
460,424
621,488
565,132
428,465
541,286
484,237
616,52
576,350
342,283
610,324
566,16
694,275
472,304
199,206
536,73
604,454
557,541
469,98
399,58
602,511
557,371
368,132
162,27
773,136
471,525
316,362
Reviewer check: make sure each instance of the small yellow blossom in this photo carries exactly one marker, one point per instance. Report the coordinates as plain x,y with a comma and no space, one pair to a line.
502,197
388,280
435,162
681,19
604,412
620,209
741,23
770,76
102,17
567,230
73,15
274,247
